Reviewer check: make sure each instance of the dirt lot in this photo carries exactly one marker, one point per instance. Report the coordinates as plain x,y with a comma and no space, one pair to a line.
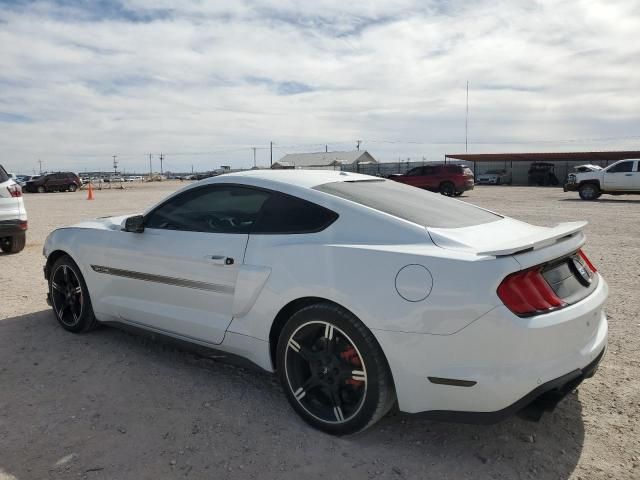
111,405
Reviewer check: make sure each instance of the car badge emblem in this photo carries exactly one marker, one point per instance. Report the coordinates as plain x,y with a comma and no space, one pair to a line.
583,274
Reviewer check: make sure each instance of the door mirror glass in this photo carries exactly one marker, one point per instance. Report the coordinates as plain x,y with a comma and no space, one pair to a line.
134,224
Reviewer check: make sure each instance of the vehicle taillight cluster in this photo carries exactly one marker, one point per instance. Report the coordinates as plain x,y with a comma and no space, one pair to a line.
527,293
15,190
587,261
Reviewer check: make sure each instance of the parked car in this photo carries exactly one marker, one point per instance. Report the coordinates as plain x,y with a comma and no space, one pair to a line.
542,174
449,180
494,177
54,182
360,292
13,215
620,178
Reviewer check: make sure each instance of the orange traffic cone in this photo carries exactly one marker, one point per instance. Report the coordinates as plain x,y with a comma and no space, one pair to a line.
90,195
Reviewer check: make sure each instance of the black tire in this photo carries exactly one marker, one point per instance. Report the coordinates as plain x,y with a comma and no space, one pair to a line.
69,297
41,189
448,189
13,244
589,191
73,187
338,399
458,194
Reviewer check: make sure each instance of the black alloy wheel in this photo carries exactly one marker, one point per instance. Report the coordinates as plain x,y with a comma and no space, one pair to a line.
333,371
69,297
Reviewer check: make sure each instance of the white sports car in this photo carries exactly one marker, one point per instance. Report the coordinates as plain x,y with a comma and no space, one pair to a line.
359,292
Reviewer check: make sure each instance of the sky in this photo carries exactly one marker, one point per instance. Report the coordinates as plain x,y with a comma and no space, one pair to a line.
205,81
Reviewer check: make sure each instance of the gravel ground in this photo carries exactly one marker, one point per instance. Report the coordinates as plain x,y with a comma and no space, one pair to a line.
112,405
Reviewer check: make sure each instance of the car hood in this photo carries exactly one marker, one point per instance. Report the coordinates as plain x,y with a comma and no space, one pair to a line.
103,223
503,237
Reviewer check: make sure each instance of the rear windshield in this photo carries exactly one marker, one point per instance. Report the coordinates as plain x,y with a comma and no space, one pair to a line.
410,203
3,175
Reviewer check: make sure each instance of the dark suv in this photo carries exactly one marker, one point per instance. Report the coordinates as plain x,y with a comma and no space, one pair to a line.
449,180
54,182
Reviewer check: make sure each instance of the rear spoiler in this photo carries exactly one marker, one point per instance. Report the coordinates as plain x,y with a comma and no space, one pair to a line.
538,240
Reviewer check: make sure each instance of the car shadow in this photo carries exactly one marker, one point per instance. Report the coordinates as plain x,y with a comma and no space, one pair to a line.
600,200
111,404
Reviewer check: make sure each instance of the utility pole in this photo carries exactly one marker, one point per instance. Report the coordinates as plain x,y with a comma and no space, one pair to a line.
326,148
161,159
115,164
254,157
358,142
191,169
40,162
150,168
271,153
466,123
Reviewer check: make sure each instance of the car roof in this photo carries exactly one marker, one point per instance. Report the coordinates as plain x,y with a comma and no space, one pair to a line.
296,178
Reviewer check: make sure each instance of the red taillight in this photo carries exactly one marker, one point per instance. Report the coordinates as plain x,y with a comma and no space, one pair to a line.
587,261
527,293
15,190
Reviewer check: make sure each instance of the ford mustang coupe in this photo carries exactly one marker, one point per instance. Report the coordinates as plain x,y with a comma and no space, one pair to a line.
361,293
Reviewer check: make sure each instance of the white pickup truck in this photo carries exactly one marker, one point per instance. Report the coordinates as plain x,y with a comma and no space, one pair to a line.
622,177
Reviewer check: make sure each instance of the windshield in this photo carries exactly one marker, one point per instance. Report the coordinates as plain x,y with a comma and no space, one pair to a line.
410,203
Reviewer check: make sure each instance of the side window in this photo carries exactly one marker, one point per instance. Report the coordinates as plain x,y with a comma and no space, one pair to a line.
3,175
415,171
430,171
621,167
210,209
284,214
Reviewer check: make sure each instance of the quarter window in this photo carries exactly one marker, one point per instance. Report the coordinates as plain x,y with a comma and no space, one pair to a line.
284,214
211,209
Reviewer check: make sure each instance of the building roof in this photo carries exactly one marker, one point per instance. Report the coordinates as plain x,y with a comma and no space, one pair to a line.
322,159
546,156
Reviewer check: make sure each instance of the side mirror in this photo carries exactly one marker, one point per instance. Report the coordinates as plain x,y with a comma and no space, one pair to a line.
134,224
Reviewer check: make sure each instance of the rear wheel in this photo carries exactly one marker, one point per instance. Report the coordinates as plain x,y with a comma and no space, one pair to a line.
69,297
13,244
333,371
589,191
448,189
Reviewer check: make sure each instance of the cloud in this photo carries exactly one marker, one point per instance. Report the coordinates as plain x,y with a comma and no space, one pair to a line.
205,81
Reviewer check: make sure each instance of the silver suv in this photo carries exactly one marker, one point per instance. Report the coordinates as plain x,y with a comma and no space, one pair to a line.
13,216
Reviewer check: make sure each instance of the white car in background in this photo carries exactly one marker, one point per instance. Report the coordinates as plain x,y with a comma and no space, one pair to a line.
494,177
359,292
13,215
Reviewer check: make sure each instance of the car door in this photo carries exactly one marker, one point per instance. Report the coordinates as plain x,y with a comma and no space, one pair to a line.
179,275
429,178
620,176
412,177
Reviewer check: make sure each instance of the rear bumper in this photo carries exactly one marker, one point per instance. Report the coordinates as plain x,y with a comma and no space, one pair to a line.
542,399
499,363
12,227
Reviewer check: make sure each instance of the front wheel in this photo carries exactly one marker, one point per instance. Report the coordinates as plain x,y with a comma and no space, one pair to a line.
13,244
589,191
73,187
69,297
333,371
448,189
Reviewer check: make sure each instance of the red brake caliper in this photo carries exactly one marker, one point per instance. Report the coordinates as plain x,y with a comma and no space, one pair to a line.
350,356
